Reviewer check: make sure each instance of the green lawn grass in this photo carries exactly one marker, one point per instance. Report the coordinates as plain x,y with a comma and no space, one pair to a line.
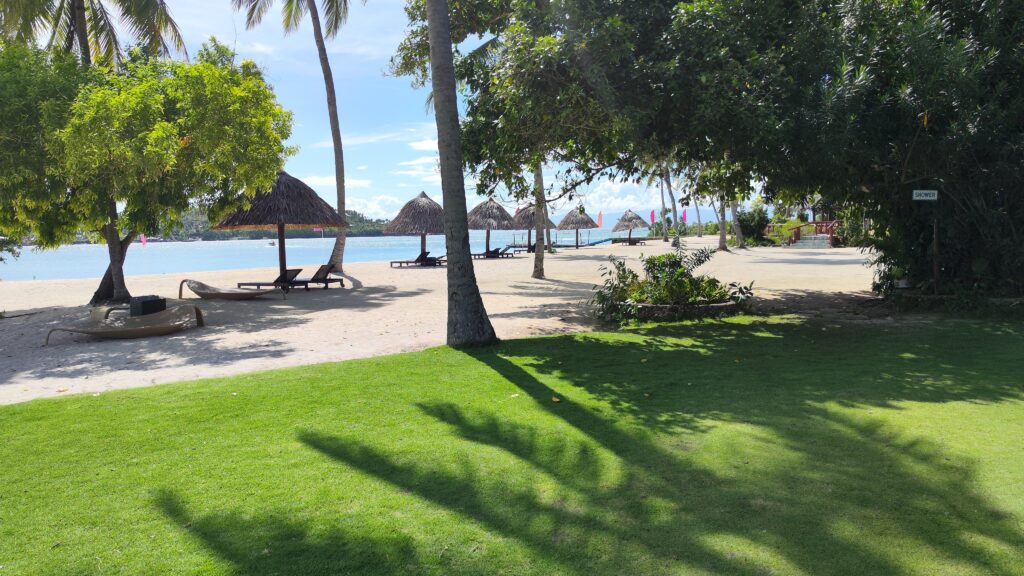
740,447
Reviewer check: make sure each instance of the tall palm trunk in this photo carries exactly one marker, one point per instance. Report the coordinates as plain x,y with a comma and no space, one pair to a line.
700,225
540,222
81,32
467,318
547,228
736,230
664,212
338,253
723,243
667,176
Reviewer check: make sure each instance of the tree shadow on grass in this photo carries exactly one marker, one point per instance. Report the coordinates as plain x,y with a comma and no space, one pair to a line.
273,545
812,488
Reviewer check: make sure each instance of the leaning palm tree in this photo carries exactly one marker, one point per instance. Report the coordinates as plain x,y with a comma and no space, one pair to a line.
88,28
467,318
335,12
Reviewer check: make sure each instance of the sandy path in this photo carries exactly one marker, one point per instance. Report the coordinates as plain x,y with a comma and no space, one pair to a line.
381,311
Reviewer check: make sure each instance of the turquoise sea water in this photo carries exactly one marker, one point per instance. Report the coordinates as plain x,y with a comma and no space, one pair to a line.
90,260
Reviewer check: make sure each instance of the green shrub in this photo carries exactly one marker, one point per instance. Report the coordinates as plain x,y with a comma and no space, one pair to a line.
669,280
753,222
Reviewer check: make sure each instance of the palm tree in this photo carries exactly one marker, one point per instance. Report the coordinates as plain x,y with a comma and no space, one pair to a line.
467,318
335,12
88,28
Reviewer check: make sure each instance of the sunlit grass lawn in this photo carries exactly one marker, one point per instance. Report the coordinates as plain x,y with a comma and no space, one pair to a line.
739,447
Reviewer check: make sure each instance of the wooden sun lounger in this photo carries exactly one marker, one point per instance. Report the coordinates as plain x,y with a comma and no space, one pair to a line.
422,260
283,282
101,325
496,253
322,276
207,292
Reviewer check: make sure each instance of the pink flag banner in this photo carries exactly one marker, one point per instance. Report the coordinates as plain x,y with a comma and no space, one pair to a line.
600,220
142,238
652,217
318,229
684,216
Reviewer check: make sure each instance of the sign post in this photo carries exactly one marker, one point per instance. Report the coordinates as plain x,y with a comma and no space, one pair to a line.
932,196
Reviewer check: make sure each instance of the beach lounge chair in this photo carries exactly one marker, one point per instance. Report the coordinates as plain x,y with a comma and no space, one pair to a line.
207,292
102,325
424,259
284,282
322,276
505,252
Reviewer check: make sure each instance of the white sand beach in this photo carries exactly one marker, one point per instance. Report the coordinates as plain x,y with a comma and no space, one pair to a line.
380,311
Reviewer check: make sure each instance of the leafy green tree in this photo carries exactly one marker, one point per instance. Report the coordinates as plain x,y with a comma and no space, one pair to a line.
139,148
88,28
336,12
36,92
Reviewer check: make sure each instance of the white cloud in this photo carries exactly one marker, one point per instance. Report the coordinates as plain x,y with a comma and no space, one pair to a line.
421,161
261,48
363,167
330,181
427,145
375,207
611,196
424,169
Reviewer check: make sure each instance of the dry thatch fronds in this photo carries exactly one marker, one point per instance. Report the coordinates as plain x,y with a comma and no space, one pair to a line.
526,219
421,215
489,215
290,202
629,221
577,219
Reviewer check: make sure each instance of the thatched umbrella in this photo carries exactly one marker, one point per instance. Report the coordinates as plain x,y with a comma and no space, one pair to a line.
575,220
422,216
489,216
290,203
629,221
526,219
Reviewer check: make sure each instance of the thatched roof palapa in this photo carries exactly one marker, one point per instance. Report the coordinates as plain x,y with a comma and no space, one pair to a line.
629,221
576,220
526,219
489,215
290,202
421,215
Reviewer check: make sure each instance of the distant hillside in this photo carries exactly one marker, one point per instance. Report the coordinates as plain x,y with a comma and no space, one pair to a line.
196,226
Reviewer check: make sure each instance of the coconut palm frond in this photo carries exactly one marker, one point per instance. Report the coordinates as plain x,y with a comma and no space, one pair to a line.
103,42
151,24
292,12
335,15
254,10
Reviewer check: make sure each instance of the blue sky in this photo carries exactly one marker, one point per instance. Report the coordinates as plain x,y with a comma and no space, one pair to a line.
389,136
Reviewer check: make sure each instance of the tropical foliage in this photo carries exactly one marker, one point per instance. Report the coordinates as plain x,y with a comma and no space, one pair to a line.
136,149
855,102
669,283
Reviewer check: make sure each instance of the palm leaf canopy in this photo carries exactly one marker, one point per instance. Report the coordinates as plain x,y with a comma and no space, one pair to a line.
577,220
629,221
293,12
489,215
421,215
148,22
290,202
526,219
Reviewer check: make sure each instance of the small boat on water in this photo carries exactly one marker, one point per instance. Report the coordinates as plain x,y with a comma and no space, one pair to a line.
271,243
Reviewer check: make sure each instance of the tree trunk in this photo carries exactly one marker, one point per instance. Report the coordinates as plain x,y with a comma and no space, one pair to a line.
540,222
736,230
338,253
664,211
467,318
112,288
700,225
723,243
547,228
82,33
671,199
